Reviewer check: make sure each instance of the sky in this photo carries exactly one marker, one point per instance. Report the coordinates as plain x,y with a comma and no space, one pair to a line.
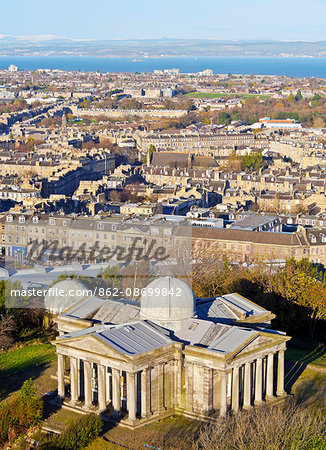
146,19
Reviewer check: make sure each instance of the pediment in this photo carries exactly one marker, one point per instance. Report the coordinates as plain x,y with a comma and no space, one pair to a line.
93,345
256,344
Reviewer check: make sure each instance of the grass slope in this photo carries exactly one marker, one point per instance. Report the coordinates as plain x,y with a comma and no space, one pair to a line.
25,357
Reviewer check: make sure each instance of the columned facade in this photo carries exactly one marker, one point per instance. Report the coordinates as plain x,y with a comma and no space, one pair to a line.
181,384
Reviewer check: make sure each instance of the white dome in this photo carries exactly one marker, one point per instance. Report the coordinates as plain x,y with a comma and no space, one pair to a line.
63,295
167,301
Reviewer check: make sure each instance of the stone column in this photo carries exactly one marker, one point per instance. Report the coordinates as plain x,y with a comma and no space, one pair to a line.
160,384
223,398
208,390
189,374
270,376
246,393
61,376
88,384
259,381
235,389
131,396
101,388
280,374
108,385
78,378
73,380
116,391
178,380
145,393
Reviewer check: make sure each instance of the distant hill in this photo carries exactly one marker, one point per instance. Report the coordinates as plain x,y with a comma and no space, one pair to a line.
52,45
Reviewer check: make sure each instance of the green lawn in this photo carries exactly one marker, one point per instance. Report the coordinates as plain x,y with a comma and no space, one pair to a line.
25,357
216,95
306,352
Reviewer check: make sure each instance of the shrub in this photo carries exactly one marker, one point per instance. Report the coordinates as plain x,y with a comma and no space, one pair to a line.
20,413
77,435
288,427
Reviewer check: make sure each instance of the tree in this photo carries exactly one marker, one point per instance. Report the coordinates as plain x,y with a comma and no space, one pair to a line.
316,97
225,118
7,328
253,161
112,274
319,122
150,151
291,98
301,283
115,196
298,96
234,163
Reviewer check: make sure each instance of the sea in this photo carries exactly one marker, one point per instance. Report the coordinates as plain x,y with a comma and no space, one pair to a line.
293,67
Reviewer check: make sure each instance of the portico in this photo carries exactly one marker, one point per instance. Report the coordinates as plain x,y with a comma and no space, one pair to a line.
141,371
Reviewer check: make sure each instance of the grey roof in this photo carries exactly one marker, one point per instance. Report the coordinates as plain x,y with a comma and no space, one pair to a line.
216,310
84,308
117,312
239,303
134,338
114,311
30,278
227,308
232,339
252,221
200,332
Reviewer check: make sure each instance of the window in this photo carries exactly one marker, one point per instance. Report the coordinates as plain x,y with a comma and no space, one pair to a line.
35,219
52,221
9,218
100,226
21,219
313,238
114,227
64,223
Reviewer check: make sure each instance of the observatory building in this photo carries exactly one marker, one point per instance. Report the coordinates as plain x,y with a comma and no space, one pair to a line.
171,353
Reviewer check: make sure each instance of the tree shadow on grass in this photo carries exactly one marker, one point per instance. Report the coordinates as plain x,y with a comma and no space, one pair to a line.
312,392
13,382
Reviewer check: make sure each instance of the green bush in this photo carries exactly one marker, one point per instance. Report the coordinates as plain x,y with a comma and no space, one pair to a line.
77,435
20,413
